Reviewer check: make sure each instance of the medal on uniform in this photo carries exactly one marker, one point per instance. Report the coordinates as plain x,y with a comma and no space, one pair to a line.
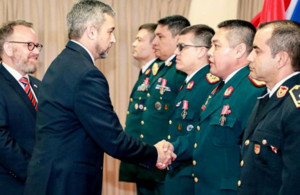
204,106
189,127
158,106
141,106
166,106
155,69
224,112
162,86
179,126
256,148
136,106
178,104
185,106
274,149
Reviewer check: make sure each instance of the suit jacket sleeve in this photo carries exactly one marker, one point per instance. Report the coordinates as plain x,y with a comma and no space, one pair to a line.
94,110
13,157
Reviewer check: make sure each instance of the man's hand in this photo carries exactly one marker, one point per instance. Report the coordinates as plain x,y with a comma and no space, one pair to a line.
165,154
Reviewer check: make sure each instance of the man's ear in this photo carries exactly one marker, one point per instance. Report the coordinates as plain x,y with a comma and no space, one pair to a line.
7,49
240,50
91,32
282,58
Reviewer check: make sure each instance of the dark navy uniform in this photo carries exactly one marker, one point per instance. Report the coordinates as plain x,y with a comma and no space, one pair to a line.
271,144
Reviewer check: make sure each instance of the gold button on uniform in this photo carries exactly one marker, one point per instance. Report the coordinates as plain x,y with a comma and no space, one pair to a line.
198,128
195,179
127,112
242,163
170,122
124,126
148,94
264,142
140,98
131,99
239,183
194,162
160,98
141,136
142,122
247,142
169,137
145,108
195,145
193,175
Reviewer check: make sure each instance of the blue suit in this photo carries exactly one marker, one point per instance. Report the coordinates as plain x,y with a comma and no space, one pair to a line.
76,124
17,125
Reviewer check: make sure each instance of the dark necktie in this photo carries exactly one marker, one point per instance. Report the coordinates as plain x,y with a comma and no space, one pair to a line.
262,103
28,91
141,72
220,86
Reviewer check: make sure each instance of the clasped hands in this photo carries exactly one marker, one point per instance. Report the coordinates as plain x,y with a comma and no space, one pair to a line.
165,154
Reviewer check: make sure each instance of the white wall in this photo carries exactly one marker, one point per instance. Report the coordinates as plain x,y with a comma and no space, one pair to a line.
212,12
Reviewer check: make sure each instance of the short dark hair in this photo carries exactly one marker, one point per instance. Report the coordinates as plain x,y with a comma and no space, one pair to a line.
150,27
285,37
175,23
7,29
202,34
239,31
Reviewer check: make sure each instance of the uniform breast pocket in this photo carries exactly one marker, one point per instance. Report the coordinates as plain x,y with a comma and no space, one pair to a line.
162,103
137,101
184,121
266,148
223,134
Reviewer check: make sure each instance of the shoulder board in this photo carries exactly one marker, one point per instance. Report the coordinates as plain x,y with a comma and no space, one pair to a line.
212,78
295,92
257,83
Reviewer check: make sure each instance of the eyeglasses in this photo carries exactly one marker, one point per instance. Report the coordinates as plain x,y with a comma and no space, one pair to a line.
180,46
30,45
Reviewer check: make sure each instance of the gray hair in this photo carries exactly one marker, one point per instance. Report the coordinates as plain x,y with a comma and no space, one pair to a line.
84,13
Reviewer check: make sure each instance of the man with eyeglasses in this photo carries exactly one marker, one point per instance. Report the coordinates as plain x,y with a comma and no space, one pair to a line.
191,58
19,50
214,144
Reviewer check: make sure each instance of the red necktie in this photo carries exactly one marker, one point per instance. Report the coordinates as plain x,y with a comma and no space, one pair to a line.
28,91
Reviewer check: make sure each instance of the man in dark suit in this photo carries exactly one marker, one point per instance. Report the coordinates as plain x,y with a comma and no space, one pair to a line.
164,84
19,51
214,145
76,123
191,58
270,152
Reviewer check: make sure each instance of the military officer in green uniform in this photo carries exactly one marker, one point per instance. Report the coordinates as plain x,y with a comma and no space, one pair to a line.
191,58
270,152
213,146
164,84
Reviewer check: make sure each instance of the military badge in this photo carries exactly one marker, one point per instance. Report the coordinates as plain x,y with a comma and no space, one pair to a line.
190,85
159,79
169,64
274,149
166,106
189,127
147,71
225,111
162,86
282,91
257,83
179,126
295,94
256,148
228,91
136,106
212,78
157,106
203,107
155,68
178,104
141,106
185,106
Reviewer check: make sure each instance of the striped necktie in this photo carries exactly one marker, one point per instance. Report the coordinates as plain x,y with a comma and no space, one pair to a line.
28,91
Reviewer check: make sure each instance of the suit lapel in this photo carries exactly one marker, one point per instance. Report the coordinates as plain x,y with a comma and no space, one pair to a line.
17,88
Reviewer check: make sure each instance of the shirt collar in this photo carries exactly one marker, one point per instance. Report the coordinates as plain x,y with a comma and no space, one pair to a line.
274,89
169,59
85,49
14,72
144,68
189,77
232,74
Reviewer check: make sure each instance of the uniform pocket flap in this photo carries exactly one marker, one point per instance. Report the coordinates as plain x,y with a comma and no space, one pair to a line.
266,138
139,95
229,121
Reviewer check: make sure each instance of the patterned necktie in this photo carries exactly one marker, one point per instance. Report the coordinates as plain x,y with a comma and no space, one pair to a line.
28,91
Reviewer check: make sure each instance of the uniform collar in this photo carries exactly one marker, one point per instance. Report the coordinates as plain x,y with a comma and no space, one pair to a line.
146,66
189,77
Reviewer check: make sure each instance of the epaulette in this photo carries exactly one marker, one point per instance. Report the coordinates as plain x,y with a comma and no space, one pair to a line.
257,83
295,92
212,78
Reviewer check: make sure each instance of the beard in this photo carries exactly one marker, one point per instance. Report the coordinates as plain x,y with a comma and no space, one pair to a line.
103,53
23,63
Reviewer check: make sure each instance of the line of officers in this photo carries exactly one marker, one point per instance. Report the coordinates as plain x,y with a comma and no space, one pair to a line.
227,101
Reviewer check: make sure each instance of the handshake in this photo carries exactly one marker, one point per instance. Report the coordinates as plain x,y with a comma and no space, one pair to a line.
165,154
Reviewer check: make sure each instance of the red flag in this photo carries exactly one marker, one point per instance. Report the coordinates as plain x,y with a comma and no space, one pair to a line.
272,10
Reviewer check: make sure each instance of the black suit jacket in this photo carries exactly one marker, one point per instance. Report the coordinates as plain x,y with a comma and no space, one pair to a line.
76,124
17,124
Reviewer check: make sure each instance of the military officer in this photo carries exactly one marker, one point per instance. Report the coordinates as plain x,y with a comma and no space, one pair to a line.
164,84
191,58
214,144
270,152
143,52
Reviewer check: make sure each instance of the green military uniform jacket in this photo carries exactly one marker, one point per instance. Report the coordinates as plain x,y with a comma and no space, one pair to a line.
191,97
214,144
150,123
270,152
